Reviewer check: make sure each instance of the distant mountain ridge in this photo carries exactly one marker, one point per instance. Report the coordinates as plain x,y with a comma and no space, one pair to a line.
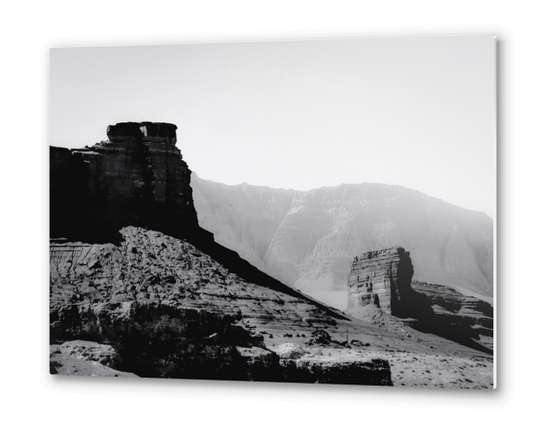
308,239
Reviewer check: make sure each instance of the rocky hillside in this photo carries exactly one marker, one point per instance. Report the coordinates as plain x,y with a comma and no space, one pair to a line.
172,311
308,239
153,305
381,278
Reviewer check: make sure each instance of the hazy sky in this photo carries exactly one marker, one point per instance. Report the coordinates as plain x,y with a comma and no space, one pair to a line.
415,111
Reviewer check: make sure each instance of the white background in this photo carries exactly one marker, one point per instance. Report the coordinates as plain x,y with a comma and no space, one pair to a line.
29,29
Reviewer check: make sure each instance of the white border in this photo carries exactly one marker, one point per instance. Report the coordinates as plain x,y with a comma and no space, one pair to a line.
31,29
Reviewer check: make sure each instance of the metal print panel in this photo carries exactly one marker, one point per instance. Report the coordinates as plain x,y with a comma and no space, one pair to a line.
299,211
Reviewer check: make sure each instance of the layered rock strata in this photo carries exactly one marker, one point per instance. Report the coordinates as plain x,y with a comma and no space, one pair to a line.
445,300
155,339
381,278
136,177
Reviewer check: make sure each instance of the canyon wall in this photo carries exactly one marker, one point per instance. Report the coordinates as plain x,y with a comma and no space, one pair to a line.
381,278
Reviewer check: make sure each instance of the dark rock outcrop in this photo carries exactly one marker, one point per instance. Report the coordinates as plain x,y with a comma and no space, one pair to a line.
159,132
137,177
166,340
308,370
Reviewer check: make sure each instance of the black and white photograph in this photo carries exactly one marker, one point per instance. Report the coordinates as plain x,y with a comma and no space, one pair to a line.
319,211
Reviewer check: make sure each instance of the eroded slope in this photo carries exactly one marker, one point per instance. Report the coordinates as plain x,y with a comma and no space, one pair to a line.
94,285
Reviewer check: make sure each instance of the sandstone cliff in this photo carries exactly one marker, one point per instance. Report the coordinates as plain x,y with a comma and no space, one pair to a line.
170,310
469,312
381,278
136,177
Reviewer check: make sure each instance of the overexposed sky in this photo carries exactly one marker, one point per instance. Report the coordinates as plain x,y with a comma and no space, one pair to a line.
415,111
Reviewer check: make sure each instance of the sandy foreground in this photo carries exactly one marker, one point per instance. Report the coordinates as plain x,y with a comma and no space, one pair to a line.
426,370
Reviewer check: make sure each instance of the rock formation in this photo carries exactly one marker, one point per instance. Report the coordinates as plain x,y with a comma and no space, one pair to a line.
469,312
308,239
384,278
136,177
381,278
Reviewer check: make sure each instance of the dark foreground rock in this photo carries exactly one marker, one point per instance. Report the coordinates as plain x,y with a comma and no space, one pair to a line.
381,278
163,340
310,370
473,315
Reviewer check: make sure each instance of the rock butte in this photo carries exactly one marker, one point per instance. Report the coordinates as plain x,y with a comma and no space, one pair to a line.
136,177
130,269
384,278
381,278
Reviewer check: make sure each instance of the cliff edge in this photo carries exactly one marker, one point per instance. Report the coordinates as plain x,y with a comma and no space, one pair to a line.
136,177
